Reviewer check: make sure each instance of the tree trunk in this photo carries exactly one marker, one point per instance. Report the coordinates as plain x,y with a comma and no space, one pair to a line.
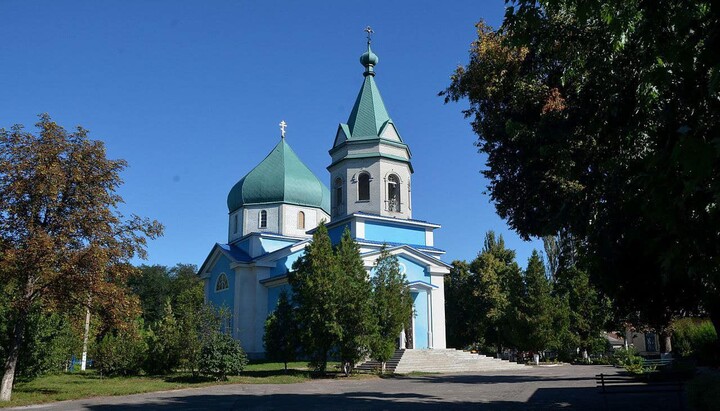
11,362
83,364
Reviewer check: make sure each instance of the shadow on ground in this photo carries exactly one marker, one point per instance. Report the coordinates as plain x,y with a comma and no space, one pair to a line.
581,398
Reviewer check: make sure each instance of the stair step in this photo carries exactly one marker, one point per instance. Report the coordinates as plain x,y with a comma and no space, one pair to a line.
440,360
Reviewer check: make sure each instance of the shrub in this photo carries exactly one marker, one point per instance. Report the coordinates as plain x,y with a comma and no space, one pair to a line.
121,353
221,356
693,337
164,347
630,360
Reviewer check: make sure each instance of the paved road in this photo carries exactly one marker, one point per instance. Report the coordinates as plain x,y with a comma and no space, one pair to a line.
541,388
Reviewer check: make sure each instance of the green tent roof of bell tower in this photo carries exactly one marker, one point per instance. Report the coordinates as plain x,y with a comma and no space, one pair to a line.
280,178
369,115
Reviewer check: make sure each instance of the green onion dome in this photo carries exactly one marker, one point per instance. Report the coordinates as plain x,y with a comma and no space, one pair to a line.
280,178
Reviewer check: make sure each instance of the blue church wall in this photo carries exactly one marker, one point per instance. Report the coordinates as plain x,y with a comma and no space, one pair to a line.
336,233
394,233
274,296
414,271
421,319
225,297
270,245
285,264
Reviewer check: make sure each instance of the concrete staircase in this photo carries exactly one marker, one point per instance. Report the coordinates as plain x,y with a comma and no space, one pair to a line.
376,366
450,361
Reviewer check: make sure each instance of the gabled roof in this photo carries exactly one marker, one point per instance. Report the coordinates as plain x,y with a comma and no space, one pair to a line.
413,254
280,178
231,252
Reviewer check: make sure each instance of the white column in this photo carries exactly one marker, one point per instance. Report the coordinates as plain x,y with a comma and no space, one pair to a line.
430,318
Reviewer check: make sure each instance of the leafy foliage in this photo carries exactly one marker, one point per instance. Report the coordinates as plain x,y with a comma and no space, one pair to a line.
60,228
693,337
194,320
602,118
122,352
356,317
392,304
538,307
220,355
281,336
314,281
163,342
482,298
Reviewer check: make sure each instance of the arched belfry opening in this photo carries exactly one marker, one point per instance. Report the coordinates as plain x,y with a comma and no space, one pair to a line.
364,187
393,193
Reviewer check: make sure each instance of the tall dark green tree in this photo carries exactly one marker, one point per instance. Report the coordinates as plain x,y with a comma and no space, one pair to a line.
480,296
314,281
538,308
281,336
164,342
602,118
392,304
460,316
193,319
356,318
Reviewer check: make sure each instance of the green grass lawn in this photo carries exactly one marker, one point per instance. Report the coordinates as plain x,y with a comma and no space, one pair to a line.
89,384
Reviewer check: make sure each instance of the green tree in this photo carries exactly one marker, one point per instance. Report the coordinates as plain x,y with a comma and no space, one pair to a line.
538,307
49,342
460,313
392,304
153,288
61,236
281,336
314,282
602,118
356,318
221,356
164,344
194,321
589,310
122,351
483,296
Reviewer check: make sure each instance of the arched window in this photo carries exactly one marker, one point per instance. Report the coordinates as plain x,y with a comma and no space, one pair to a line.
364,187
393,191
263,219
301,219
235,223
222,283
338,191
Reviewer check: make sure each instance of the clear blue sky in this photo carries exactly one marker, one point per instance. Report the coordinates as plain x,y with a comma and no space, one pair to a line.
190,94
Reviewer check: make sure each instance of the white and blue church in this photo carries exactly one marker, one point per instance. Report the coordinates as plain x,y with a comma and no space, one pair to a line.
275,207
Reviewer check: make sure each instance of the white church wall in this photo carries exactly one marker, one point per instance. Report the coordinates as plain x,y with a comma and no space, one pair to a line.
290,212
235,225
251,220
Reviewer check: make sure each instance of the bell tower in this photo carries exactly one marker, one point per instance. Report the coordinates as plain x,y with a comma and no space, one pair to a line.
370,170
